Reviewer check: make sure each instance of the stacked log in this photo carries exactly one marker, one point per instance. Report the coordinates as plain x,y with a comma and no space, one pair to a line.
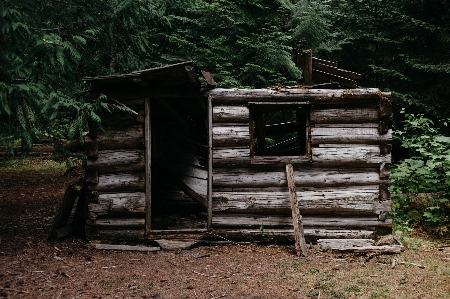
341,185
115,175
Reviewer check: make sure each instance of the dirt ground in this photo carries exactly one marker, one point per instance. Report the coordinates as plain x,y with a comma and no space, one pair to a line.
32,267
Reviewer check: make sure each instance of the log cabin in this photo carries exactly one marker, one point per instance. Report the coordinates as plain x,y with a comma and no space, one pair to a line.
189,160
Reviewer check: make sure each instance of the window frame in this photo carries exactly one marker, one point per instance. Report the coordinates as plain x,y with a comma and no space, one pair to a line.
257,109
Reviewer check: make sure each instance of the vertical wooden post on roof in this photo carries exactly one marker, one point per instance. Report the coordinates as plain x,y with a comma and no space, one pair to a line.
307,67
210,163
300,243
148,166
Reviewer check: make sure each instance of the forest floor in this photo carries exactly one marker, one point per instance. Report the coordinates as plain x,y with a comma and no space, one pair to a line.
32,267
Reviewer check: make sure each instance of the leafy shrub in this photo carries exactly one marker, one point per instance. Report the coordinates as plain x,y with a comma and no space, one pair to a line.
421,183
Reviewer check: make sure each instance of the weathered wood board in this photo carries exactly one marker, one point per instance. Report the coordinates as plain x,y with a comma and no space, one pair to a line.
311,234
124,204
361,135
344,115
114,161
249,178
231,114
309,221
127,137
120,182
352,200
365,155
231,135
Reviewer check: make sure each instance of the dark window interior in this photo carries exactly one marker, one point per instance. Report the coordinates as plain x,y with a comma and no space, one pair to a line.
280,130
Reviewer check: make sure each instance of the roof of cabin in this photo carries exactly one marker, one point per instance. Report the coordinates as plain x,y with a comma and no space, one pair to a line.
176,77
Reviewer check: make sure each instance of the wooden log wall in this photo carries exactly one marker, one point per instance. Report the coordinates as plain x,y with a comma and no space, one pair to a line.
115,175
342,187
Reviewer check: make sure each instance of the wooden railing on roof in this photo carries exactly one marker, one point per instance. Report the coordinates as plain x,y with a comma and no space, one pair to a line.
324,71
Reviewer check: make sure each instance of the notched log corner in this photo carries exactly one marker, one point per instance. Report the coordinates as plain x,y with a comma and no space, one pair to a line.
385,107
385,194
91,175
92,197
385,148
91,149
385,170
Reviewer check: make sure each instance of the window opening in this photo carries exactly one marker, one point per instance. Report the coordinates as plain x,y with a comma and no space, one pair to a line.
280,130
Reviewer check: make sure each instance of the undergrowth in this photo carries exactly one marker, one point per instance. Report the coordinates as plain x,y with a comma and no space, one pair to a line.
38,164
421,182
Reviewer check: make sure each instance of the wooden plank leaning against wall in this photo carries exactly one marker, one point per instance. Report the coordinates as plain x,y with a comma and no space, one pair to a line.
342,186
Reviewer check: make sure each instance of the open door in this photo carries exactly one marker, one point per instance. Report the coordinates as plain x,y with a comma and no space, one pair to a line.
178,174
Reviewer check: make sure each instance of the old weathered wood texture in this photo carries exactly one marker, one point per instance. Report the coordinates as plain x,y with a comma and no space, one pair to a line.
114,161
299,234
343,182
307,177
307,67
148,166
120,182
344,115
125,247
231,114
358,245
355,200
365,155
116,173
348,134
232,157
210,164
311,235
341,97
95,233
309,221
127,137
119,204
231,135
62,217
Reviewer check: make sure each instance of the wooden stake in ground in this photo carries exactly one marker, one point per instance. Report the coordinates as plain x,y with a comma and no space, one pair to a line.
300,243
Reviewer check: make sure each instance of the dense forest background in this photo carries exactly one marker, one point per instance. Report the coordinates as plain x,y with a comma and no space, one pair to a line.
47,47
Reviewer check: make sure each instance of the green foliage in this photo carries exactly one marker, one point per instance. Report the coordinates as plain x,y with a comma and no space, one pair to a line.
397,45
266,236
242,43
422,181
48,47
37,164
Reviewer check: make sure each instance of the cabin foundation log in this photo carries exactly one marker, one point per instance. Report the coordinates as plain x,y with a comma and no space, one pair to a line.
309,221
287,234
